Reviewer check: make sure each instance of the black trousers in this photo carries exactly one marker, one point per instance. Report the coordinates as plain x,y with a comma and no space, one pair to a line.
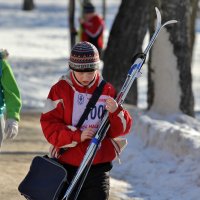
96,185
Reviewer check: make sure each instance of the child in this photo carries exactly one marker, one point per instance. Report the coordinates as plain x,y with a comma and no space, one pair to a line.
10,101
65,104
92,26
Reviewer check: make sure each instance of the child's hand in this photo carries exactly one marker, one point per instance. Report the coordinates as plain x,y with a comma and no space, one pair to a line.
111,105
87,134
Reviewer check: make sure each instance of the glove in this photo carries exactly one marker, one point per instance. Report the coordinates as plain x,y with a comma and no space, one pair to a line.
11,128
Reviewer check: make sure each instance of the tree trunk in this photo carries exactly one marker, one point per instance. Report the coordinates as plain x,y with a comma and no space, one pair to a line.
28,5
194,8
104,9
125,40
169,78
72,28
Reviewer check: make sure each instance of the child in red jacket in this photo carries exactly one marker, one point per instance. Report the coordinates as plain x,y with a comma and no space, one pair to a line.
65,104
92,26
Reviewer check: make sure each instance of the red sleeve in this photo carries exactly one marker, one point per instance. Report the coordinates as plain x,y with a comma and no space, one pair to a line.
120,120
52,121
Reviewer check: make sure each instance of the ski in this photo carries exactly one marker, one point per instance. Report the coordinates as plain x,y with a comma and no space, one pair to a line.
133,72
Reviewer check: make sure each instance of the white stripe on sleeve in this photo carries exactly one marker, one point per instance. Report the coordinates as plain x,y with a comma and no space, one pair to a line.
51,105
121,116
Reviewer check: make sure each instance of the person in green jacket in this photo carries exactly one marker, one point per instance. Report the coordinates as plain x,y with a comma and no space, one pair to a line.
10,100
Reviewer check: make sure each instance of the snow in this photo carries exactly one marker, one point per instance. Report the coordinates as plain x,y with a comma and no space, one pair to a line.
165,76
161,161
195,69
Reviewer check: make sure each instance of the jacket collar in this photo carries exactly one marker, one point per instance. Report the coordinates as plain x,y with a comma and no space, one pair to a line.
89,88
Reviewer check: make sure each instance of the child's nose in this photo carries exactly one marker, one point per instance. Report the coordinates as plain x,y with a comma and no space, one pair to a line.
85,77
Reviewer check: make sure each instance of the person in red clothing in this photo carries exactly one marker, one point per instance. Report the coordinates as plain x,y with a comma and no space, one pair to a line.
65,104
92,26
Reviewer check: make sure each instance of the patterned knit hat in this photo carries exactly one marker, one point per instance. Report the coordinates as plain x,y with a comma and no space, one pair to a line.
84,57
88,8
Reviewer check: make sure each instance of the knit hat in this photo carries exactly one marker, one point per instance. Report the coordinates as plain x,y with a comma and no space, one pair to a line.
88,8
84,57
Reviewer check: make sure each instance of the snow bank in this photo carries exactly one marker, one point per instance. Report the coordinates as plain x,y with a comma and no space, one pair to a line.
178,133
162,158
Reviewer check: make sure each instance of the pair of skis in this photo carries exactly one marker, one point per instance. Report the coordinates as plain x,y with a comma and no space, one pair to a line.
134,71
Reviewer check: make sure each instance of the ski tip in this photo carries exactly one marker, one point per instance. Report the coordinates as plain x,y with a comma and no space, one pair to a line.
174,21
169,22
157,11
158,18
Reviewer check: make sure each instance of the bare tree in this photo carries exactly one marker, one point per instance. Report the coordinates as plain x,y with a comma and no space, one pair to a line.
125,40
169,77
104,9
28,5
194,8
72,28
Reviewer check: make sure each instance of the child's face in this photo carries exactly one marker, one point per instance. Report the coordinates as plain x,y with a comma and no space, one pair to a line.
88,16
85,77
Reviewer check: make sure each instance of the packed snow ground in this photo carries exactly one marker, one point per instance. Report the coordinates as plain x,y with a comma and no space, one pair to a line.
162,159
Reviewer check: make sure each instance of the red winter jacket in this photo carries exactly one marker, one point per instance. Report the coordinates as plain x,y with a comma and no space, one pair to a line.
93,31
56,121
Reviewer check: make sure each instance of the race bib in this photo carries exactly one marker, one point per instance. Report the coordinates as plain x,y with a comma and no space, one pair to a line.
94,118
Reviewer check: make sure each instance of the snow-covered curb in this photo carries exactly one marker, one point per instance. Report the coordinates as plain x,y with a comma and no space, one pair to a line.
178,134
119,193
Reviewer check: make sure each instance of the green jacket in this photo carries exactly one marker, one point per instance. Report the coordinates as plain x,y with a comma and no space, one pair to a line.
10,100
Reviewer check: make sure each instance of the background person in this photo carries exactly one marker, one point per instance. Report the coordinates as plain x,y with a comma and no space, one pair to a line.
10,100
92,27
